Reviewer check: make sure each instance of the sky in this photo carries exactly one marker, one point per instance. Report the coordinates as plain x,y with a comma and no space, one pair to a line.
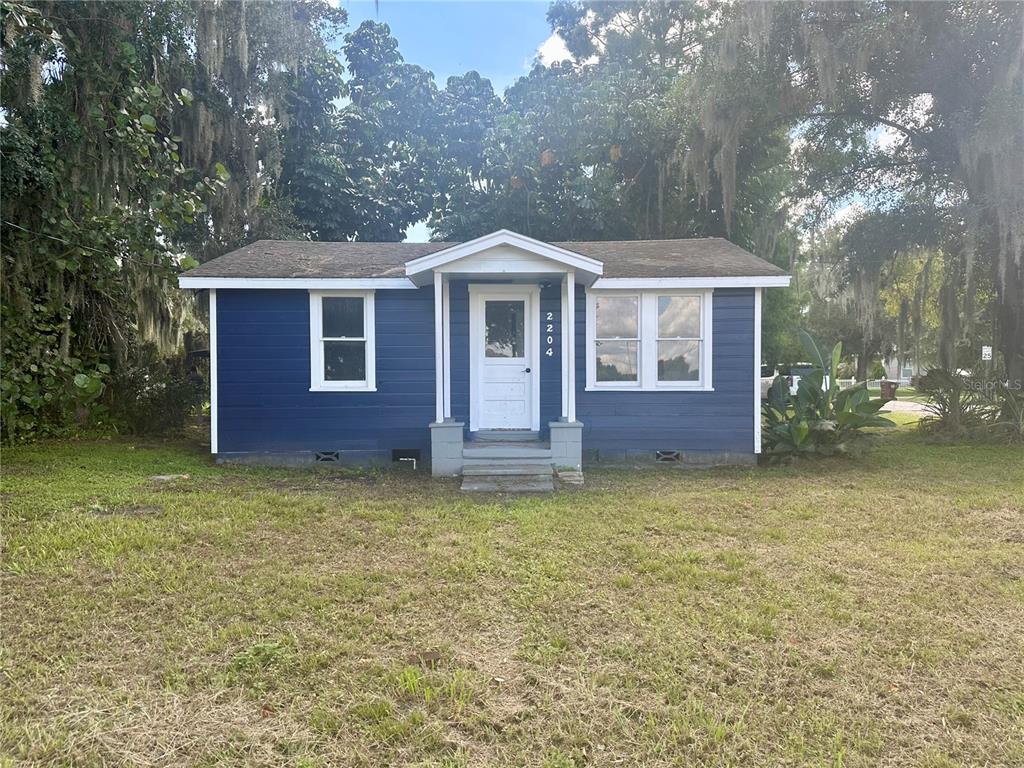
500,40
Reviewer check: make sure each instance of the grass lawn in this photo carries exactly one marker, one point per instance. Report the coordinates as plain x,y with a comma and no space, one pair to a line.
857,613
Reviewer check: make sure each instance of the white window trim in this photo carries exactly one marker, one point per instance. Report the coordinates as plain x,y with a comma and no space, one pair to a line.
648,362
316,340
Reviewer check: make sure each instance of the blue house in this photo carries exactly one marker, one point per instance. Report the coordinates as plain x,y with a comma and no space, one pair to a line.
486,356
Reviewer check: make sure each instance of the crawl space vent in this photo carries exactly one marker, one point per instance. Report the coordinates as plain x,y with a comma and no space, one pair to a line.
667,457
327,456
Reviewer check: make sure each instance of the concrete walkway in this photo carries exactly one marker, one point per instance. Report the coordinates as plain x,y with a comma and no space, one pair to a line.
905,406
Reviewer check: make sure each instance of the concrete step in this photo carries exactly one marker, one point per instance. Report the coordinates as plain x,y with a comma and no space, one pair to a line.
508,484
518,470
505,436
506,451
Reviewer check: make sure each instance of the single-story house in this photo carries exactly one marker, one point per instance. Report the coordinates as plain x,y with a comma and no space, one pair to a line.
503,349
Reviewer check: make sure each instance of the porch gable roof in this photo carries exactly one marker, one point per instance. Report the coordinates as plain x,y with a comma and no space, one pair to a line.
590,269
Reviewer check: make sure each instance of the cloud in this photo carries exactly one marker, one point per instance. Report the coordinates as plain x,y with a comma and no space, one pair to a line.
551,50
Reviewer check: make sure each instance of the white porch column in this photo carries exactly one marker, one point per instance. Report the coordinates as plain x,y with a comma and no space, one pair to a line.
570,320
446,346
213,371
566,355
439,346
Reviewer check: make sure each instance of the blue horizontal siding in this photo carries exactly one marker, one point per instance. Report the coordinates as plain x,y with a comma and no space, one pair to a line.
265,403
263,377
721,421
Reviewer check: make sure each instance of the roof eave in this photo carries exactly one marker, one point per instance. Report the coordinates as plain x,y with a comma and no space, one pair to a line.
297,283
722,281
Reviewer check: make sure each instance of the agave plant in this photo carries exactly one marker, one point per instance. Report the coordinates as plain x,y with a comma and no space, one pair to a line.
820,419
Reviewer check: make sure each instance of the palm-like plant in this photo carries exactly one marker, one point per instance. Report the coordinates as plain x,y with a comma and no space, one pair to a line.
820,419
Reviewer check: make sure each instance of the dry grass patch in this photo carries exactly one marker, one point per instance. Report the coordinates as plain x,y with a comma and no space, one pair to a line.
848,613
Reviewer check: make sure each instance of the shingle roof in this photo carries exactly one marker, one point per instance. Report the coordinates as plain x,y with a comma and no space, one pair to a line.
703,257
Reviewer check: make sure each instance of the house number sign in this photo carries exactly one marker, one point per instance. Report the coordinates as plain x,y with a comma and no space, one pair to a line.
549,333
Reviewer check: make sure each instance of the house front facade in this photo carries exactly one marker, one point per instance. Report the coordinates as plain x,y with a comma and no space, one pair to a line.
503,348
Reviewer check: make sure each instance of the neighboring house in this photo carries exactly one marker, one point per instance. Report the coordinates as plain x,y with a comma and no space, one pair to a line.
903,371
501,350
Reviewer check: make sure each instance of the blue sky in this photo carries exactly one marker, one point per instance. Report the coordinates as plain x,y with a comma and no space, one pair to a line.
497,39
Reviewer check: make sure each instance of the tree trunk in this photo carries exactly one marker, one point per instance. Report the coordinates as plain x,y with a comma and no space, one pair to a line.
863,359
1010,310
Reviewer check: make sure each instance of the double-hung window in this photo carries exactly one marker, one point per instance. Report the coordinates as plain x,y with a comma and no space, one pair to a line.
342,354
649,340
617,340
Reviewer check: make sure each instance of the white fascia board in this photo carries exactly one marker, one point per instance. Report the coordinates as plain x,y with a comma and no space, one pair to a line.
504,237
641,283
301,283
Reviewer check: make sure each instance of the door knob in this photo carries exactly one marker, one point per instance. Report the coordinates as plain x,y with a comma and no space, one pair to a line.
526,371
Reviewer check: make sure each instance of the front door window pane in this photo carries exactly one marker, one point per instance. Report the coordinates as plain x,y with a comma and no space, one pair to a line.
504,328
344,361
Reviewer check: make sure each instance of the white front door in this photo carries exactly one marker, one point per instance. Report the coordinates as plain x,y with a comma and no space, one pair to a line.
503,357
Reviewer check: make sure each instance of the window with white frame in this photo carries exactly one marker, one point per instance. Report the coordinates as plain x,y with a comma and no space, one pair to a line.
617,340
342,354
649,340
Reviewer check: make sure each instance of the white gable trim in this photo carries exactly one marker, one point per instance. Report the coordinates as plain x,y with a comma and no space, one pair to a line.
641,283
568,259
307,283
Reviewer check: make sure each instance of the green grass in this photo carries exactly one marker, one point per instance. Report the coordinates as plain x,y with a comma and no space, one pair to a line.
856,613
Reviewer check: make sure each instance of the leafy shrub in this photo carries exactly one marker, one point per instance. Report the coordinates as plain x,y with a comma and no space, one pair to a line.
955,410
156,396
818,420
44,393
1009,422
960,409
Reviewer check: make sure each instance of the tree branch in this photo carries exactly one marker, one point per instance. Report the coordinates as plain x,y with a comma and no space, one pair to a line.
914,134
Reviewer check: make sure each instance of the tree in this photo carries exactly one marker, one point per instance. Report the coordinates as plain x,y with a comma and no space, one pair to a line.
940,83
94,194
610,145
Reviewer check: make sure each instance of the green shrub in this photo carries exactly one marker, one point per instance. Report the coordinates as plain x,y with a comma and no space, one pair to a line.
818,420
1009,422
44,393
959,409
155,396
955,410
